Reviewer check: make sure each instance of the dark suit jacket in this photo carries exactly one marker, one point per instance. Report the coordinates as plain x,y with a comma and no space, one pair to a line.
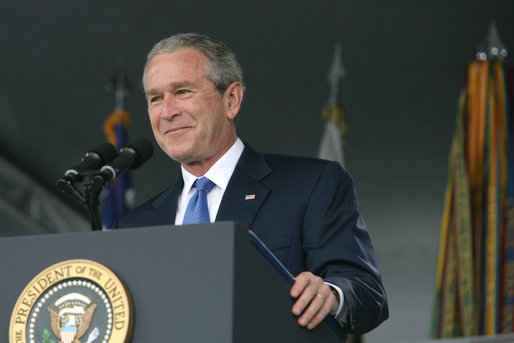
307,213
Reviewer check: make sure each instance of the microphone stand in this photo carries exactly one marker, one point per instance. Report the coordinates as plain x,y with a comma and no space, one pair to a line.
131,156
89,198
92,192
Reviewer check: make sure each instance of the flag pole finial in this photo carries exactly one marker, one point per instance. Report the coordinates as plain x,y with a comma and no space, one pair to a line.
491,48
119,84
335,73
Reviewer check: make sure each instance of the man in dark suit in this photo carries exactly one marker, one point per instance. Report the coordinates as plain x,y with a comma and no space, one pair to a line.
305,210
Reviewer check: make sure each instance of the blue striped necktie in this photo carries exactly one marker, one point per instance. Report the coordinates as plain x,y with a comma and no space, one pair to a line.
197,210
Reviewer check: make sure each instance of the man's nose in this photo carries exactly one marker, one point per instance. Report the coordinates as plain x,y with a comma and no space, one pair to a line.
169,107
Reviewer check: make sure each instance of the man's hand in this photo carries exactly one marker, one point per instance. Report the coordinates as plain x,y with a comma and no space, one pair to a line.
314,300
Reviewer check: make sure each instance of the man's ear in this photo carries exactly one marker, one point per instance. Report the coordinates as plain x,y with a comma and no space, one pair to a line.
233,98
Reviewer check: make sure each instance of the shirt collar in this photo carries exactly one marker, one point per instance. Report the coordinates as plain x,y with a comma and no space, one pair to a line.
221,172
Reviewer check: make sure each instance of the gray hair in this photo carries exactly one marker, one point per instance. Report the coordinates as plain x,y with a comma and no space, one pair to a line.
222,67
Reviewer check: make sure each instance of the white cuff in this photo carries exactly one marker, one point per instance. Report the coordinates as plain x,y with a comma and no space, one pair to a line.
341,298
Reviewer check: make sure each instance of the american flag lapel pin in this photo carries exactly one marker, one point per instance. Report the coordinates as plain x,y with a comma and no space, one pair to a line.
250,197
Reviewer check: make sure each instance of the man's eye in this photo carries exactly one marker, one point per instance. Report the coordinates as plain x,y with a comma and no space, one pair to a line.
183,91
154,99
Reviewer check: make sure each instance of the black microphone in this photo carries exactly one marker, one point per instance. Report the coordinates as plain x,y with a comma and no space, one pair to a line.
92,160
132,156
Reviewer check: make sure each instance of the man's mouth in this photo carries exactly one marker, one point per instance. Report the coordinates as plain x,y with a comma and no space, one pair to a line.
176,129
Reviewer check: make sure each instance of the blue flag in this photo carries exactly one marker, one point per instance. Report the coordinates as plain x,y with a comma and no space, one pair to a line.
118,196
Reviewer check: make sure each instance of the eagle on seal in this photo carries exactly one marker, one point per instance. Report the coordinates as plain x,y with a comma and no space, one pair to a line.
66,327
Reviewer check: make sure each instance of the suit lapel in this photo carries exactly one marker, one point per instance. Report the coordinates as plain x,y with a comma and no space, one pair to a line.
166,205
245,194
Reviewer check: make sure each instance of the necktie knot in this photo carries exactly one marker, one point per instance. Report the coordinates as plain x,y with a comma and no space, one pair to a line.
203,184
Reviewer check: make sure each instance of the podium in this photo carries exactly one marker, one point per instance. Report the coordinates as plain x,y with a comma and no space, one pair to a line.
195,283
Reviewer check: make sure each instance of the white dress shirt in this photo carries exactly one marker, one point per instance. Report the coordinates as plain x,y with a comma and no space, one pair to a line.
220,174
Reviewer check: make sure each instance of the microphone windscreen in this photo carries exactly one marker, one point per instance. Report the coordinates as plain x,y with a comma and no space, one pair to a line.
106,151
94,159
144,150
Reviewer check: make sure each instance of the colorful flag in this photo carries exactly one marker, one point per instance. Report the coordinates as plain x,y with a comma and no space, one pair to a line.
474,285
118,196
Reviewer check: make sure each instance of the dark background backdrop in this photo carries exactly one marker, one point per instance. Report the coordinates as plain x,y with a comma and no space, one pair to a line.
405,63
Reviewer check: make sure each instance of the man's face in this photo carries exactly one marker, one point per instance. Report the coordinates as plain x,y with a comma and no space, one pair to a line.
191,121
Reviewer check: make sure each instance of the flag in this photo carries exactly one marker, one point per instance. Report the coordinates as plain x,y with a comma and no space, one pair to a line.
474,284
332,141
331,146
118,196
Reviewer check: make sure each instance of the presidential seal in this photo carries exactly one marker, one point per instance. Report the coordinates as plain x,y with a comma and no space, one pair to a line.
74,301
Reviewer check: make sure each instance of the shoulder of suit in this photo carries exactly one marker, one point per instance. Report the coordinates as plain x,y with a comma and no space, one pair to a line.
273,161
300,161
